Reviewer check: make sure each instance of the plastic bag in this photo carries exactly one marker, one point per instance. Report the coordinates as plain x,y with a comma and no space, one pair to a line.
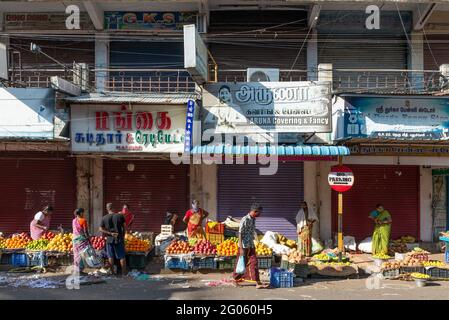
90,257
269,239
241,268
366,245
317,247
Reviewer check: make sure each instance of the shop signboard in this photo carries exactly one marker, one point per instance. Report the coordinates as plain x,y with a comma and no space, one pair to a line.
261,107
27,113
396,118
195,55
139,128
395,150
148,20
189,126
42,21
340,178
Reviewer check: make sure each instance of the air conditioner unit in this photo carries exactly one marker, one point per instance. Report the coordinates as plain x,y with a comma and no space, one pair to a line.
262,75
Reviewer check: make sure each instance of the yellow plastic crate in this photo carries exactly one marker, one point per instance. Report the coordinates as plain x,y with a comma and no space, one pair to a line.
215,239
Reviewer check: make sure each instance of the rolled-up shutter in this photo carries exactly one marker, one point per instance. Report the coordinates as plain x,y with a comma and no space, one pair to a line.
280,195
152,189
396,187
31,181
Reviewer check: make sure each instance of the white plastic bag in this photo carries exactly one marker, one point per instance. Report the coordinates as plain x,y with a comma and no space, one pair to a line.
269,239
90,257
366,245
317,247
241,268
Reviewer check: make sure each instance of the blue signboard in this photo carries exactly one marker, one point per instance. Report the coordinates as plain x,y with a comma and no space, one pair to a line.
122,20
401,118
189,126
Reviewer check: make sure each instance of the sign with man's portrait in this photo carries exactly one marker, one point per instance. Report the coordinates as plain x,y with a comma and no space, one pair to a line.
257,107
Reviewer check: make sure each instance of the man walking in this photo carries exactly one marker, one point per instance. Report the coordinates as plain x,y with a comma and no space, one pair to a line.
247,235
113,226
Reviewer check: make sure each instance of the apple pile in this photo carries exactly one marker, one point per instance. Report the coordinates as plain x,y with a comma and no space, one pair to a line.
98,243
204,247
179,247
48,235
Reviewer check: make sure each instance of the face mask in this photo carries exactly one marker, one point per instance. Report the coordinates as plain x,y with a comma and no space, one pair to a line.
195,208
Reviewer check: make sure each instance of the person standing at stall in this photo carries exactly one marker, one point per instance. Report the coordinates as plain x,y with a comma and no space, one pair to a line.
113,226
129,217
305,220
247,235
194,220
80,238
40,222
382,230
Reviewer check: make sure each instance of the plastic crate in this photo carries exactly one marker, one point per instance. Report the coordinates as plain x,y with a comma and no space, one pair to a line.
5,258
215,239
412,269
217,229
204,263
391,273
281,278
136,261
300,270
177,263
438,273
19,260
264,262
38,259
227,263
446,256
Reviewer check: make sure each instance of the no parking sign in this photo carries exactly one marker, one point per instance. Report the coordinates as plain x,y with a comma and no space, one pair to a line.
340,178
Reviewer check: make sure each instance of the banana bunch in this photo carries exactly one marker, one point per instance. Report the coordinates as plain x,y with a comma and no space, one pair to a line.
322,257
418,275
286,242
419,250
433,264
381,256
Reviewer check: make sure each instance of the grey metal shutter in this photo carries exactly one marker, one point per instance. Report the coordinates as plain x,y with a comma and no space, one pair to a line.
280,195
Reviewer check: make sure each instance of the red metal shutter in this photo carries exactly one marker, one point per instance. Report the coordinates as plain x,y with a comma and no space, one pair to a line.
152,189
30,181
280,195
396,187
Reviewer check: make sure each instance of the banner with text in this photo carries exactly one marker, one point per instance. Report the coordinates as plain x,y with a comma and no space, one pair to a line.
258,107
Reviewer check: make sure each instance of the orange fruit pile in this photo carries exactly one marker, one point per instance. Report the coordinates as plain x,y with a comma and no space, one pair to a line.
179,247
17,241
227,248
2,243
133,243
61,242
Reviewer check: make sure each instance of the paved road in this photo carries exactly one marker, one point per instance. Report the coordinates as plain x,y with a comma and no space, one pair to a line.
193,286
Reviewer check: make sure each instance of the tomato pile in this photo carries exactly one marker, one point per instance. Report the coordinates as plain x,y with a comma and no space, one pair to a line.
98,243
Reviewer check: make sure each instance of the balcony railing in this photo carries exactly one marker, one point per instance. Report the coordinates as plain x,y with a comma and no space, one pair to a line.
178,80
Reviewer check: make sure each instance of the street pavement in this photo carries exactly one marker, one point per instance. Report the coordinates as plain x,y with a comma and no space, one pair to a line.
161,285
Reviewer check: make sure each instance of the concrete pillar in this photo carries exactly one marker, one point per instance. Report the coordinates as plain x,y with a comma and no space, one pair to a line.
416,60
425,190
312,57
325,198
325,72
82,187
101,60
203,187
97,193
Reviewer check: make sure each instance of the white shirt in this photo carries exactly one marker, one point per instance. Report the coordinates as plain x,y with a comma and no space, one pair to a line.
39,216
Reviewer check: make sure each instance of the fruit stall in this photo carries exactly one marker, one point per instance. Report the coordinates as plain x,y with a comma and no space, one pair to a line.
54,249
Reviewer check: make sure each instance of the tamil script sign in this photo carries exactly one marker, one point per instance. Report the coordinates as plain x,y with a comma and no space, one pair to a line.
257,107
401,118
42,20
395,150
141,128
148,20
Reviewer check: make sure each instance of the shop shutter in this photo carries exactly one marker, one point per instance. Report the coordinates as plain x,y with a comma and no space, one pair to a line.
30,181
362,52
280,195
396,187
236,42
152,189
436,51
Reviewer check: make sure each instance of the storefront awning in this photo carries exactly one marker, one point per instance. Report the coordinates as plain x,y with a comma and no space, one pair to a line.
294,150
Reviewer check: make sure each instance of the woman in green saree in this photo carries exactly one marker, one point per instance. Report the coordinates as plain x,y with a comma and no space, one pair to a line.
382,230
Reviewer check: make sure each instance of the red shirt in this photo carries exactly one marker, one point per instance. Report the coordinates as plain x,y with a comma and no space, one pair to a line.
129,217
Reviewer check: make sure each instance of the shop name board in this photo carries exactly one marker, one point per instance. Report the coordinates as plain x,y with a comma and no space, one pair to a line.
42,20
424,150
148,20
440,172
396,118
195,55
257,107
141,130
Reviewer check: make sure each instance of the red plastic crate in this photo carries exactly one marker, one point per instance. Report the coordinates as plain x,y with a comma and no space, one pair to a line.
218,229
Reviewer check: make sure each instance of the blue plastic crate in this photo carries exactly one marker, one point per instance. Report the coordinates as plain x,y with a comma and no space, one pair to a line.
280,278
19,260
204,263
5,258
176,263
447,256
